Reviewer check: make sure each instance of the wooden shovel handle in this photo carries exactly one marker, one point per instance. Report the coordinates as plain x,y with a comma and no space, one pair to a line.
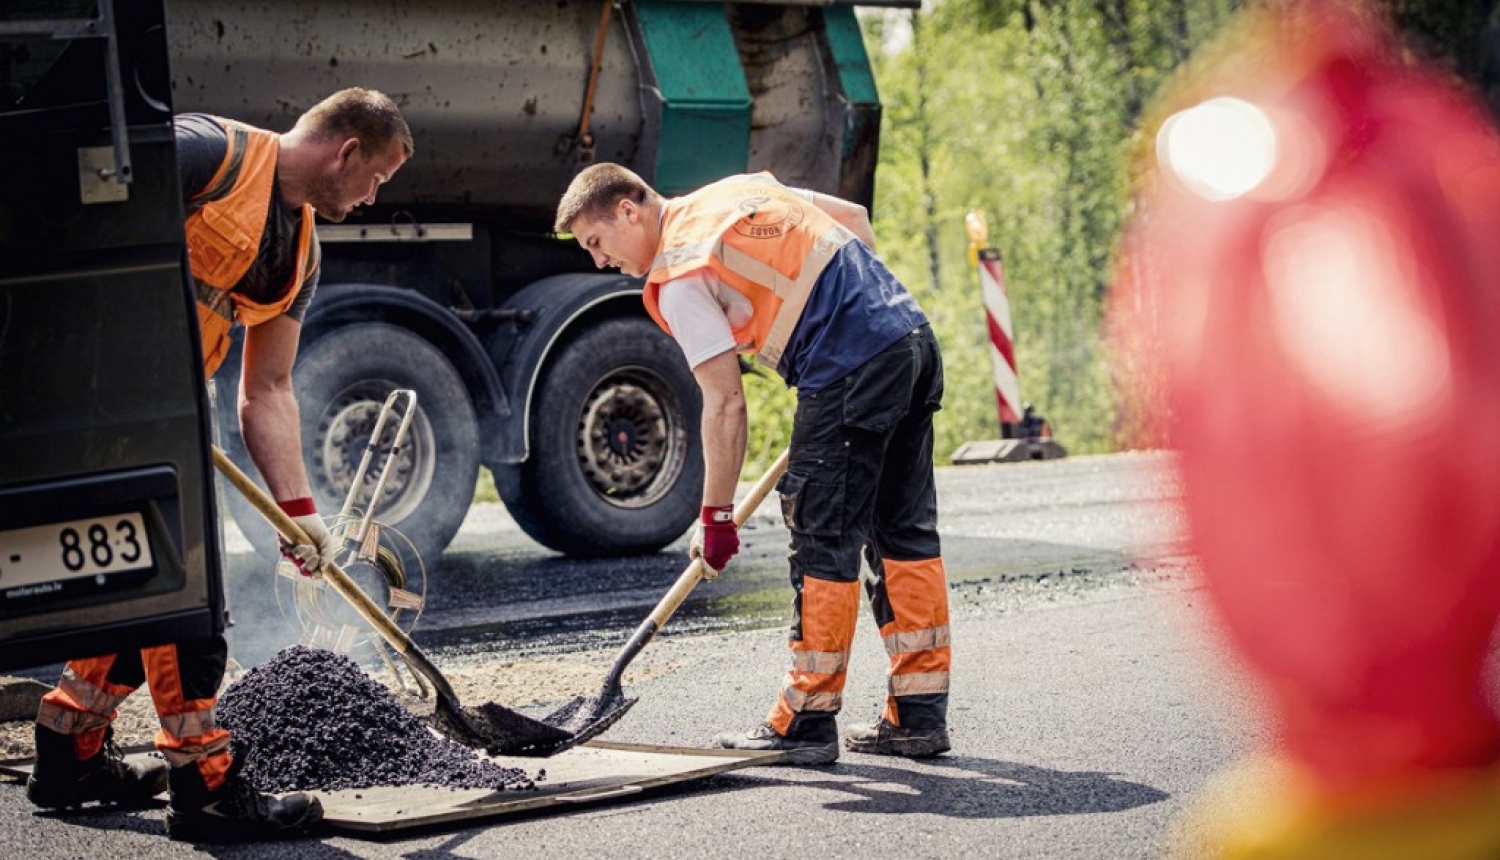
762,488
699,569
331,571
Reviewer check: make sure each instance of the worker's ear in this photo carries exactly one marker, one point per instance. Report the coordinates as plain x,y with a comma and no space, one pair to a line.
627,209
347,150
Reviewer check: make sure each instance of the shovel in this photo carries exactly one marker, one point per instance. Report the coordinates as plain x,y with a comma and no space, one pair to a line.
587,716
496,729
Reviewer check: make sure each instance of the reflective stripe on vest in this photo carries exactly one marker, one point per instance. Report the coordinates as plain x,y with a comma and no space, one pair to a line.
762,239
224,228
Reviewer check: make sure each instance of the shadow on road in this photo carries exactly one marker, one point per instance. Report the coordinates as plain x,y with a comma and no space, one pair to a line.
972,788
311,847
984,788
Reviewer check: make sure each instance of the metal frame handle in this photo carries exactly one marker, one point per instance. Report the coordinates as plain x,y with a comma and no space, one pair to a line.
103,27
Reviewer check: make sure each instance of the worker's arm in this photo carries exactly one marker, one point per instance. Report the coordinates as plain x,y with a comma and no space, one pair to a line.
268,407
725,427
851,215
273,435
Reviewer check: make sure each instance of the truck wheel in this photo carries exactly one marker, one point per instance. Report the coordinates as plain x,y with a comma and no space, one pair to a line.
342,380
616,463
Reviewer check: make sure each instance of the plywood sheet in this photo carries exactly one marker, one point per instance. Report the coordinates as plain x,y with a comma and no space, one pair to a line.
594,772
591,773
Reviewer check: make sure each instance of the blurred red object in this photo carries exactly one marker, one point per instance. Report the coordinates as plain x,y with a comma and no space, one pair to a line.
1311,280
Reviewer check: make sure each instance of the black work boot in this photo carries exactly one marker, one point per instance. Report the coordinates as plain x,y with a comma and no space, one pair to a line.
882,738
812,743
235,812
59,780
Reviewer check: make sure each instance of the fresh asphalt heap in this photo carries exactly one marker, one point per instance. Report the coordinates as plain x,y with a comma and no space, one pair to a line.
312,720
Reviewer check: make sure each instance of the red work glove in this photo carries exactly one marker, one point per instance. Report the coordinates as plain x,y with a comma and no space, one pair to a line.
718,539
309,557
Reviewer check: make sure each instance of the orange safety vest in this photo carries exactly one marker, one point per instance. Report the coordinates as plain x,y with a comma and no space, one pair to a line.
223,239
762,239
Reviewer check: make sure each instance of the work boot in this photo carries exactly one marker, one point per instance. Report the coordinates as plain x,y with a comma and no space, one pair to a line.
235,811
817,747
882,738
59,780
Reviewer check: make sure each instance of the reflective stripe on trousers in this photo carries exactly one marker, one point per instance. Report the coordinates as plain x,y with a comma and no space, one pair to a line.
820,656
860,480
183,678
916,635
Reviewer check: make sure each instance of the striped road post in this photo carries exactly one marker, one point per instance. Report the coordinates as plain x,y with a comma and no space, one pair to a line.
1002,340
1024,435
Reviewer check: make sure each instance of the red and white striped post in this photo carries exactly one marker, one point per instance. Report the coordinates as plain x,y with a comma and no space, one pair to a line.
1023,434
997,320
1002,340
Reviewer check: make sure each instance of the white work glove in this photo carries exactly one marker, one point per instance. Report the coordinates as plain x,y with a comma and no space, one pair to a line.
308,557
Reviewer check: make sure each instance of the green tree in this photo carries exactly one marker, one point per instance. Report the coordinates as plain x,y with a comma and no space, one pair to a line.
1024,109
1029,111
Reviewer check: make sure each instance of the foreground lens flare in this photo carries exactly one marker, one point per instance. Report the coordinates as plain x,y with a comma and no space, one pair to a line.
1221,149
1345,307
1307,303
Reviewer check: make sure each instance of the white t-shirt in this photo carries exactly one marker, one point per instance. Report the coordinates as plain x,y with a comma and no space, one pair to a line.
702,312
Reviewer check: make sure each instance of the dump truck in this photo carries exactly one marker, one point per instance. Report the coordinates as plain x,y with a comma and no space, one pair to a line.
525,360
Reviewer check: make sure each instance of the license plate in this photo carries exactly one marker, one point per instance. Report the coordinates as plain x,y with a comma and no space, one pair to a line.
71,550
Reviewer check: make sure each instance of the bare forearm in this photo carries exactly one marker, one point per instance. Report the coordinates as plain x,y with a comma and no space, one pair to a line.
272,428
724,427
268,407
724,433
852,215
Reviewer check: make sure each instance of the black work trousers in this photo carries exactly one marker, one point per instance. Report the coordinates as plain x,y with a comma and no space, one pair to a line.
860,480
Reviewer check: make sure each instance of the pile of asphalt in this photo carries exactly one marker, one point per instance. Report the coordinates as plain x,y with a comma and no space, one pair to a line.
312,720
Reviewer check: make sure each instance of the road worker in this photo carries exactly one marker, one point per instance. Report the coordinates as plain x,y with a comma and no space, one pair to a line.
250,196
747,265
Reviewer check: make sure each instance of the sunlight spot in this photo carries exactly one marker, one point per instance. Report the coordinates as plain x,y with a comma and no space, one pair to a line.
1220,149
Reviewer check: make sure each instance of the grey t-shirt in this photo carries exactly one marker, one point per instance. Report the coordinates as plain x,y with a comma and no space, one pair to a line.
201,144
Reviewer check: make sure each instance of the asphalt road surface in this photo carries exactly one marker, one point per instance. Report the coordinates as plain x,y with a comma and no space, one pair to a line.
1090,698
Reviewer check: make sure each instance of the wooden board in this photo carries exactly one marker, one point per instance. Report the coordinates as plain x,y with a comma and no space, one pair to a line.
594,772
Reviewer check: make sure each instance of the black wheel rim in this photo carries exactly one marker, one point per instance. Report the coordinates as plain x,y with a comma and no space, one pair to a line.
631,442
344,429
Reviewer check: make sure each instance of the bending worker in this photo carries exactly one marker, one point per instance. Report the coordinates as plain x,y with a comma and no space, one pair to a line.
262,189
748,265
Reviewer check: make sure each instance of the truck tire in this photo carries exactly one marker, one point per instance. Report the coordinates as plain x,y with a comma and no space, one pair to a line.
616,461
342,379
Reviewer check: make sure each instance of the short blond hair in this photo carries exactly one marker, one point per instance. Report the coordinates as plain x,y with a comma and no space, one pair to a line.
597,190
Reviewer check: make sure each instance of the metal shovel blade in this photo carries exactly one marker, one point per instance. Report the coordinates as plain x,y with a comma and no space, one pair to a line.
588,716
579,720
500,731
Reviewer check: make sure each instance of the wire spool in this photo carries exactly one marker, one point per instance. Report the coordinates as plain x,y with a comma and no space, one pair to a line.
376,566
